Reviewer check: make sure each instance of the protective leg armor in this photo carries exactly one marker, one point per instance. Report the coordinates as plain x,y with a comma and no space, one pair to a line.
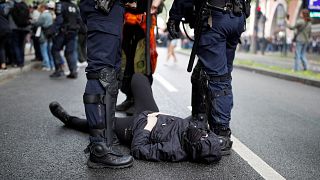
205,103
100,111
199,100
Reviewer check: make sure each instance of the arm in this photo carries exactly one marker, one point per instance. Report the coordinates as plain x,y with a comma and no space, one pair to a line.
142,148
59,17
166,150
298,24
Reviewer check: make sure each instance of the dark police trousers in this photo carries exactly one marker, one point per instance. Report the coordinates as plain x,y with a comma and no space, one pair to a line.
103,51
67,39
216,53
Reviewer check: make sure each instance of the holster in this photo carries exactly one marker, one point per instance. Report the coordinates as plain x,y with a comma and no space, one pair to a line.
104,5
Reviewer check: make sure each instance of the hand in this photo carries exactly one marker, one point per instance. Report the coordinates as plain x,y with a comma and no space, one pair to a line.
173,28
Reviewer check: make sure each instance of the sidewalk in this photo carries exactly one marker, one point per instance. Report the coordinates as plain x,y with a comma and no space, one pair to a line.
11,72
274,60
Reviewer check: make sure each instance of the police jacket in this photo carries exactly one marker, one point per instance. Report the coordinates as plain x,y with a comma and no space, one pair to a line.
67,16
163,143
98,21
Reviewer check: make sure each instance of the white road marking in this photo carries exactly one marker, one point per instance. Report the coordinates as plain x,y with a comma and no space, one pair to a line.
244,152
165,83
254,161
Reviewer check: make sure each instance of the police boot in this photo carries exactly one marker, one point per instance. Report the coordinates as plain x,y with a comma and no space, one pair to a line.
102,156
73,75
57,73
224,135
58,111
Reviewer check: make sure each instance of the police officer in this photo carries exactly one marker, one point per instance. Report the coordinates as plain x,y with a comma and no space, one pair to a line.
104,20
222,26
66,26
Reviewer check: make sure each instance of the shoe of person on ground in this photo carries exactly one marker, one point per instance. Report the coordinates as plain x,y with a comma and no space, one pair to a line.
58,112
125,105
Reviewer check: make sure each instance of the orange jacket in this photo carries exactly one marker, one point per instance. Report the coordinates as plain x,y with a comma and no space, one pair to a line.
140,19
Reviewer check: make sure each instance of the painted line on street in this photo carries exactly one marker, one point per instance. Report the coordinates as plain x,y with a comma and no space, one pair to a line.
165,83
261,167
254,161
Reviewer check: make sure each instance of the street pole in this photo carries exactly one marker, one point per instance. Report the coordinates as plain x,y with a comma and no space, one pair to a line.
254,39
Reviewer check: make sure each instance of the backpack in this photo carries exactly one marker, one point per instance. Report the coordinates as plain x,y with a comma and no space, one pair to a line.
20,14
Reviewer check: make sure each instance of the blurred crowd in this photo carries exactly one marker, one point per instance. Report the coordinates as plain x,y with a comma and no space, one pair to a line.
277,44
23,28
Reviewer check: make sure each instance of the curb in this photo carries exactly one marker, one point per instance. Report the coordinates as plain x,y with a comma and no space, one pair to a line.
306,81
13,72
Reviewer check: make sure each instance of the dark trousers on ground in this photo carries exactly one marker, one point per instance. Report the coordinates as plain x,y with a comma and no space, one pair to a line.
144,101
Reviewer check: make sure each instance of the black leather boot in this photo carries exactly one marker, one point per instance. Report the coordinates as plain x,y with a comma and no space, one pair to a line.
58,111
73,75
224,135
102,156
57,73
125,105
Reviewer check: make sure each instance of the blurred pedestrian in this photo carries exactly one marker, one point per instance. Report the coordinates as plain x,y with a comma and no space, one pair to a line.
45,20
172,44
4,32
301,38
19,20
35,14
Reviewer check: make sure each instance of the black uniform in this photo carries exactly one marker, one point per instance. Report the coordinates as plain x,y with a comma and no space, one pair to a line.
66,26
222,25
104,24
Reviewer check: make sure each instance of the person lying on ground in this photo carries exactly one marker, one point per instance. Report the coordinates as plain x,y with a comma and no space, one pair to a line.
152,135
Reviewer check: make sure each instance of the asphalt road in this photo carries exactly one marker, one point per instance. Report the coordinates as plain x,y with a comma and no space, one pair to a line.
278,120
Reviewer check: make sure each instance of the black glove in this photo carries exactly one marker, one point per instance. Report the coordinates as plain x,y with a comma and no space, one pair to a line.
173,28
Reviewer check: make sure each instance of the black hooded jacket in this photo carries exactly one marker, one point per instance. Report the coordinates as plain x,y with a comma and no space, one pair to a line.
166,141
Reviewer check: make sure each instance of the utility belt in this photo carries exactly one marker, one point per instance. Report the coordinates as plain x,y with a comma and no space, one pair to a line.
227,6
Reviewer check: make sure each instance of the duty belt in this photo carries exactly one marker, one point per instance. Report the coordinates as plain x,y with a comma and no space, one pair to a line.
93,75
223,6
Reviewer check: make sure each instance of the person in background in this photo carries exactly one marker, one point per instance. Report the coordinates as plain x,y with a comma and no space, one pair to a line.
301,38
35,39
64,31
45,20
4,31
172,44
19,20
